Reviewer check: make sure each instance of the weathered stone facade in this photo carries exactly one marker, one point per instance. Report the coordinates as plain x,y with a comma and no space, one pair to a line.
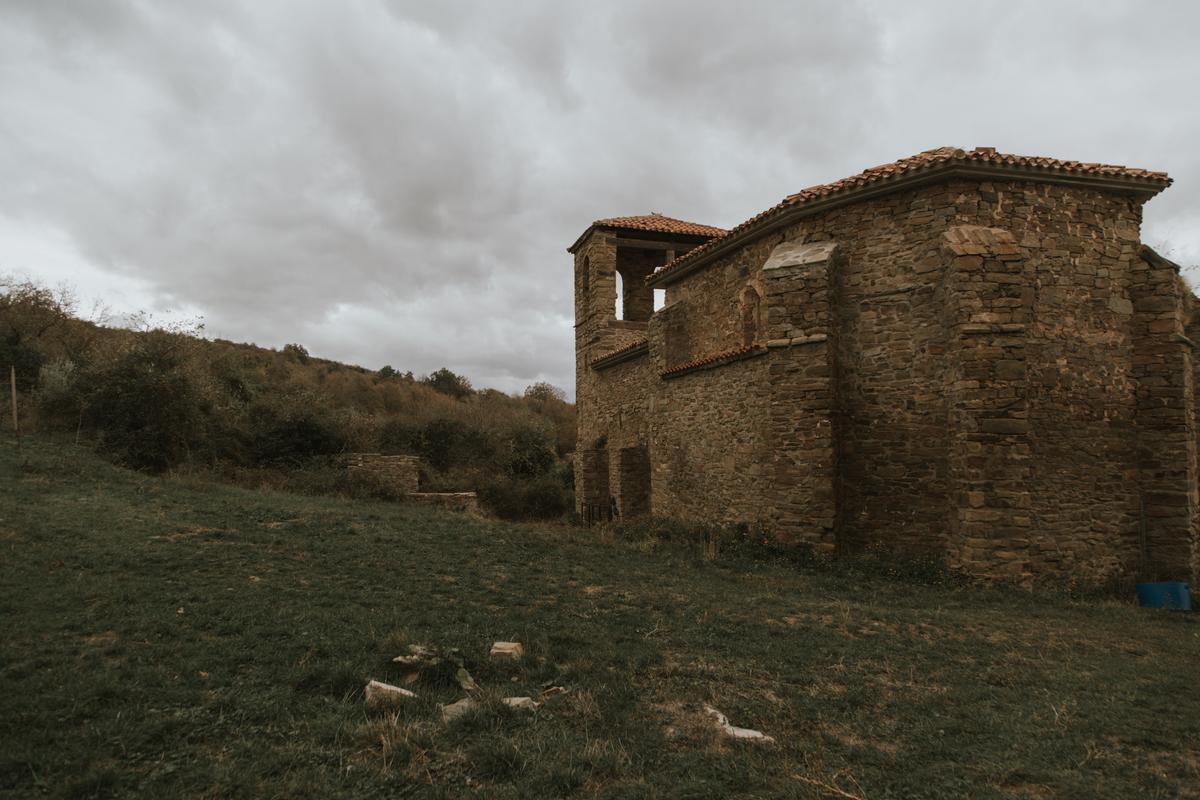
963,352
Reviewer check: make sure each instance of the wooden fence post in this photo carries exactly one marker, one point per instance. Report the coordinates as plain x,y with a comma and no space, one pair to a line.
12,382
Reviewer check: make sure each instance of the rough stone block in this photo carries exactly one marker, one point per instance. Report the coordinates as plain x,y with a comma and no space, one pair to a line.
507,651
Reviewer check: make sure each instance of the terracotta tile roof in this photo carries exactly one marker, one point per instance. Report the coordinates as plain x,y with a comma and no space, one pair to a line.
618,355
928,161
658,223
653,223
738,353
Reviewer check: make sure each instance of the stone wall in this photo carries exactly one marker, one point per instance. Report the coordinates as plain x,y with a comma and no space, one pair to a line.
802,333
709,452
402,472
986,369
1166,417
612,405
988,310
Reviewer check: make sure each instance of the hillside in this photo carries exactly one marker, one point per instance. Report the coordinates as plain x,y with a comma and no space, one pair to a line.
168,399
171,637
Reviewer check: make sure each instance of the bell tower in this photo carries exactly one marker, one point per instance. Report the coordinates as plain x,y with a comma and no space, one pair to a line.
613,306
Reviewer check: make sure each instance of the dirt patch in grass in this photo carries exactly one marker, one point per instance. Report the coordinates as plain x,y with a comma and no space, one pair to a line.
101,639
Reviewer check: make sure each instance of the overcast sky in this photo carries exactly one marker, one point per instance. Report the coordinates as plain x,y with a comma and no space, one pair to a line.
395,182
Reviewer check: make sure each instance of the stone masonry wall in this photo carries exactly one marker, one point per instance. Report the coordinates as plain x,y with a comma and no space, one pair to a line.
1080,389
802,335
889,343
985,369
709,433
1166,414
620,425
988,308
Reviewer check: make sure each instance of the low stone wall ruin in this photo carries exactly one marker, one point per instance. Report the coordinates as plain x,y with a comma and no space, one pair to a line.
402,472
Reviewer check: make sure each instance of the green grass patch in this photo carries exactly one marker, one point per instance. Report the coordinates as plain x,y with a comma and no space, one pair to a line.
172,637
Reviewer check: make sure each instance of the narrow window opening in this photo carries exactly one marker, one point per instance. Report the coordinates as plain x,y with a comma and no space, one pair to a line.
660,298
620,303
751,316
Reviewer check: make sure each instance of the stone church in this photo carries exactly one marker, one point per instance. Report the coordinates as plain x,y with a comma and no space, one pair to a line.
962,351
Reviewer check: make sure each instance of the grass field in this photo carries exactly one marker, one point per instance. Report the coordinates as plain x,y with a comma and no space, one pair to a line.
169,638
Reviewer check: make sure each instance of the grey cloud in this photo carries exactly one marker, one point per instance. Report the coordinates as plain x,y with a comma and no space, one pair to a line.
394,182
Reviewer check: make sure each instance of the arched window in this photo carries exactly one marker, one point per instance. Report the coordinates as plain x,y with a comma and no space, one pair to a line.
751,307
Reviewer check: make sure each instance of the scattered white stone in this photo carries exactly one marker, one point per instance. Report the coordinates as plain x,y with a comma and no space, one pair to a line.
744,734
521,703
509,650
455,710
378,693
417,653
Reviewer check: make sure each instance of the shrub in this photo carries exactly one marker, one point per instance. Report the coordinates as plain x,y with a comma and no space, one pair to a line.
544,497
58,395
398,435
445,443
296,352
544,392
291,431
22,357
29,313
529,451
448,383
146,407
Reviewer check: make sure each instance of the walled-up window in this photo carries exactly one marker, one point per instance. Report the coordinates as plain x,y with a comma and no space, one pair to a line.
585,276
751,309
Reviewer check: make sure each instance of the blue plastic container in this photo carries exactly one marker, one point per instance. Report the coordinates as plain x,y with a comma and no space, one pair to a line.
1168,594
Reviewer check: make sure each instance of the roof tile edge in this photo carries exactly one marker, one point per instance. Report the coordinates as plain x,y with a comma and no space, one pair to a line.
621,354
652,223
899,174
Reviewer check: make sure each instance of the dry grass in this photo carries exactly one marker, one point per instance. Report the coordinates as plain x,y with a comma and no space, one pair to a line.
167,638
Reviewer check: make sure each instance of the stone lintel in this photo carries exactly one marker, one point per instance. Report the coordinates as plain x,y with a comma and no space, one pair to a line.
797,254
796,341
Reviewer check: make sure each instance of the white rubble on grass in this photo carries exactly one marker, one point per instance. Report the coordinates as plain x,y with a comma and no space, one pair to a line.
455,710
521,703
377,693
417,653
511,650
745,734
